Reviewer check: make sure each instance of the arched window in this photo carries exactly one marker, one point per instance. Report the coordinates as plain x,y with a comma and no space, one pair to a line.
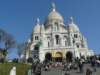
48,38
56,26
57,39
65,41
48,44
78,46
75,36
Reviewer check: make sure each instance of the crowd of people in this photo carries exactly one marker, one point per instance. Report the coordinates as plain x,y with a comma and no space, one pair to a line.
68,66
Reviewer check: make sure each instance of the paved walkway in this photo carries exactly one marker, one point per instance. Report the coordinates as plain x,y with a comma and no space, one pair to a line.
58,71
73,72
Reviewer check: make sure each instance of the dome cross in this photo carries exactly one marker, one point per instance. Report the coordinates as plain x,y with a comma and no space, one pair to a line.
71,20
53,7
38,21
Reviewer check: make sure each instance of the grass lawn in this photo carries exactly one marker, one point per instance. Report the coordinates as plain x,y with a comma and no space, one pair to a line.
21,69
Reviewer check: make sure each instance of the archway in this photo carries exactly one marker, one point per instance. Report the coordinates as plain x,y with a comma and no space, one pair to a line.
69,56
58,57
48,57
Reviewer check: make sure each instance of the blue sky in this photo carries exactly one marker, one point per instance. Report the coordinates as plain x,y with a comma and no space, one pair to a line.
18,17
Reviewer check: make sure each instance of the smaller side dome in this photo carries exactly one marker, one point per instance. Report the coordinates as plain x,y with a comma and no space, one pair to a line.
37,27
72,26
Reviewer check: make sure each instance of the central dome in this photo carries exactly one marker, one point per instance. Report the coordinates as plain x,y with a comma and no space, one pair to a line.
54,15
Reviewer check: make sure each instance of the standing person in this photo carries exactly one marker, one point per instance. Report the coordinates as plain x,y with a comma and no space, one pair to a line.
29,72
67,73
67,69
38,70
93,63
13,71
80,66
88,71
33,67
46,67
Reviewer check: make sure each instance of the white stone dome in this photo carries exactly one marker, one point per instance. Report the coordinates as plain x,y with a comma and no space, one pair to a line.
37,27
72,26
54,15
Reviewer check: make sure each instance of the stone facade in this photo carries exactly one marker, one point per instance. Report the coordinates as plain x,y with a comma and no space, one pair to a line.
57,38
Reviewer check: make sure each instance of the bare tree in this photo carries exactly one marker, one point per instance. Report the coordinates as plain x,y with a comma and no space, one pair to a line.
21,48
8,40
2,35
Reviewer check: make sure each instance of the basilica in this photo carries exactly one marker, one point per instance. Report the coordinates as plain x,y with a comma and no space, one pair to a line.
54,40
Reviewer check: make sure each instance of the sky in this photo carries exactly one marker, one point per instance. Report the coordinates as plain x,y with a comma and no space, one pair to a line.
18,17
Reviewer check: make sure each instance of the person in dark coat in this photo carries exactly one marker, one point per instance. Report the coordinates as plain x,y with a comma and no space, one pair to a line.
33,67
80,66
93,63
38,70
88,71
67,73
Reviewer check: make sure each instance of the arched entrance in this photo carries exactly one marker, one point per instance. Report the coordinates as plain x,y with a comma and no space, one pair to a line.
58,57
48,57
69,56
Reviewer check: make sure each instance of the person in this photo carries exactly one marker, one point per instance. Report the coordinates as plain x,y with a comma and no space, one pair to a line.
67,73
80,66
38,70
93,63
29,71
88,71
64,66
98,63
13,71
46,67
33,67
67,69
